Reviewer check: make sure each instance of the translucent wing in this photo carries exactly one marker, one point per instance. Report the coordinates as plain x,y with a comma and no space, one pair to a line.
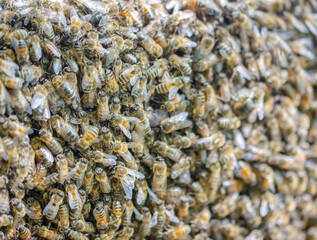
172,92
48,206
38,100
127,156
239,140
171,216
30,214
127,187
71,174
179,117
264,210
133,80
37,49
108,161
47,112
153,220
132,119
311,27
299,26
125,131
57,66
138,215
135,173
260,109
140,197
80,180
103,21
72,64
132,145
109,156
152,195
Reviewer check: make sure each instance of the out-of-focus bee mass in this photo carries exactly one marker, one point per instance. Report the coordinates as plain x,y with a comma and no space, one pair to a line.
158,119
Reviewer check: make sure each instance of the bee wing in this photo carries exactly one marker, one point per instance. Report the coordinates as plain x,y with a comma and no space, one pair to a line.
15,44
135,173
8,67
133,80
38,100
127,156
29,212
37,49
71,173
110,156
152,195
57,65
311,27
132,144
243,72
138,215
80,180
127,187
73,64
47,112
132,119
189,44
299,26
103,21
172,92
171,216
125,131
108,161
179,117
48,206
153,220
140,197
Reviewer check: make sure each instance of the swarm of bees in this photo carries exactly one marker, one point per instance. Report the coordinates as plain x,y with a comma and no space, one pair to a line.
158,119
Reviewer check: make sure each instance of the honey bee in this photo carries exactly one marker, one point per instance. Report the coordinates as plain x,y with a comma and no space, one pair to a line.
63,216
12,82
157,69
111,81
47,137
11,151
52,208
21,50
51,48
199,105
90,134
44,232
127,177
229,123
265,175
102,178
183,142
24,233
179,232
78,172
180,42
180,167
225,207
84,227
103,107
101,215
176,122
200,194
129,75
215,140
65,130
150,45
123,123
74,235
64,88
68,57
74,201
203,218
181,63
245,172
127,233
6,220
171,87
204,48
166,151
35,48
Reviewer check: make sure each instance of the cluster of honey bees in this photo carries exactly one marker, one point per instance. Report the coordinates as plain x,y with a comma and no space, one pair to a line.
158,119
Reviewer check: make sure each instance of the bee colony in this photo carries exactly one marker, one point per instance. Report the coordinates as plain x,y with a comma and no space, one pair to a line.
182,119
